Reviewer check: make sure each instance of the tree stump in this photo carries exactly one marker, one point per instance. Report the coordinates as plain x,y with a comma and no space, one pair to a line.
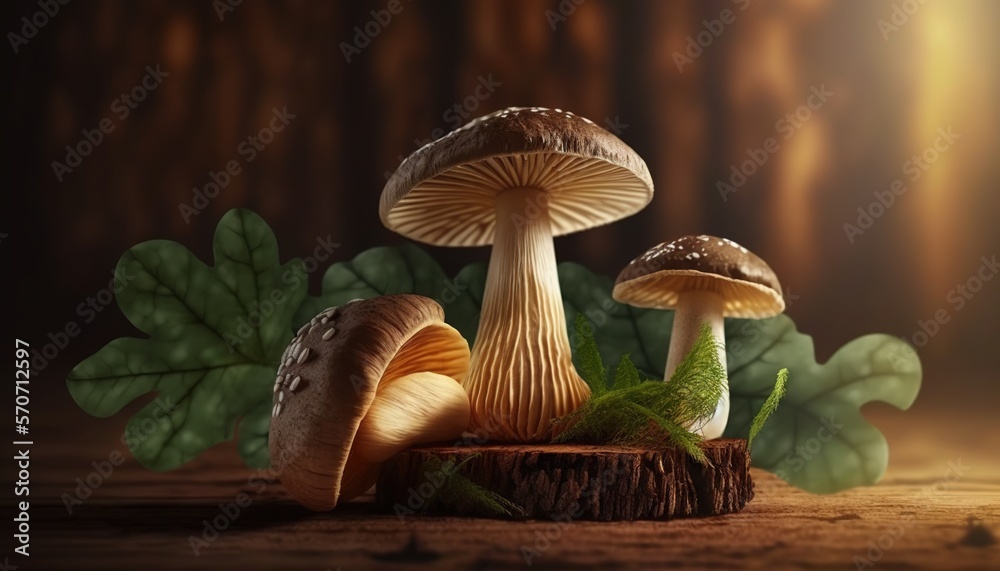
571,482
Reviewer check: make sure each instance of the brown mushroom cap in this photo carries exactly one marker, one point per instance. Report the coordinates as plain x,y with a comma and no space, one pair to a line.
328,381
748,286
443,194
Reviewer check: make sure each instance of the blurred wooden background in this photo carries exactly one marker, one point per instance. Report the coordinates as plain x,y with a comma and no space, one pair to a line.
614,62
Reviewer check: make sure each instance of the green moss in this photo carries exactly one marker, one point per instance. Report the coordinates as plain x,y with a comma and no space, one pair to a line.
770,405
651,412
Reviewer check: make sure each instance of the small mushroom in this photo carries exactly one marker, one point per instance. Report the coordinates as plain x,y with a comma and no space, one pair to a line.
703,279
386,380
515,179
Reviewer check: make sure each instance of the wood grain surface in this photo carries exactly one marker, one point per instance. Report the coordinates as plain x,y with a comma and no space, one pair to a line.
141,520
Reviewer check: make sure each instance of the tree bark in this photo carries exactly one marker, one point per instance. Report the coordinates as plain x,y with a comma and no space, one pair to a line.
572,482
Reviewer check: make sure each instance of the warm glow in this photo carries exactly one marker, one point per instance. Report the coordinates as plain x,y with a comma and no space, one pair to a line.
939,104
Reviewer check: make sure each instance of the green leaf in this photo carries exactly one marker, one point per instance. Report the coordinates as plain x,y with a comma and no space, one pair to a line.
254,430
769,406
404,269
464,303
215,337
818,440
618,329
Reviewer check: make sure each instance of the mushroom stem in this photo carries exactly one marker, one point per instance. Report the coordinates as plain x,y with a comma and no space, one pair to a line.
693,309
521,373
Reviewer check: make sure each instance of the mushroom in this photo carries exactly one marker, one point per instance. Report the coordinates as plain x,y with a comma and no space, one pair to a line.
515,179
358,384
703,279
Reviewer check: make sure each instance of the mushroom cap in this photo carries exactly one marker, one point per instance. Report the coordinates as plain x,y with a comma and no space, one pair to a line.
443,194
748,286
327,382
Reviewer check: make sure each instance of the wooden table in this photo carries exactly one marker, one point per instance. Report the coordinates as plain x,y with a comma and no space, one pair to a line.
139,520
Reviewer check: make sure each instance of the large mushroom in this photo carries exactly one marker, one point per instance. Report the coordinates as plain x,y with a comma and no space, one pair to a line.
515,179
703,279
358,384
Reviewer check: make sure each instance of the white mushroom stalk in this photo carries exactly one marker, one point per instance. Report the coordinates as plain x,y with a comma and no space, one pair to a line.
703,279
693,308
521,373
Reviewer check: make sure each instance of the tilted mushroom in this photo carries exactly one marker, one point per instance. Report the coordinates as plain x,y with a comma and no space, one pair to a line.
703,279
515,179
359,383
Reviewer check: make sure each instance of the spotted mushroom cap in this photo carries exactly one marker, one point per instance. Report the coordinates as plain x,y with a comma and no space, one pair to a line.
327,381
443,194
746,283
